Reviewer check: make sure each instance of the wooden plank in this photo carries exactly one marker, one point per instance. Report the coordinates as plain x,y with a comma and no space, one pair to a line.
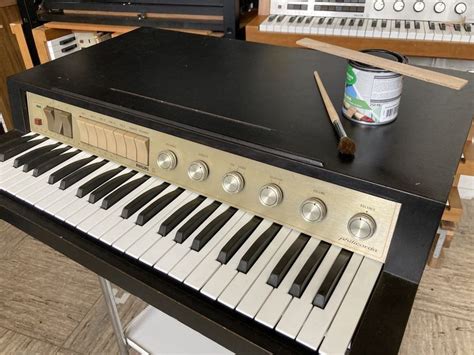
264,7
17,30
401,68
453,212
407,47
41,35
148,15
5,3
89,27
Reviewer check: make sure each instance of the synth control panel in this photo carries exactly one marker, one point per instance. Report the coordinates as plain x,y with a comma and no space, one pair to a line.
351,219
456,11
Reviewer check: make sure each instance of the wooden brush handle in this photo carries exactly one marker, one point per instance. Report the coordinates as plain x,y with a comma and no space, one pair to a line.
333,116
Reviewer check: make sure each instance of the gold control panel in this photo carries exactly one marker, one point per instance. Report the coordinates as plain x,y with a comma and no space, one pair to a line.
348,218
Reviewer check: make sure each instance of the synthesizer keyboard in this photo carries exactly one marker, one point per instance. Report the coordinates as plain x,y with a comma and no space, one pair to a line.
187,192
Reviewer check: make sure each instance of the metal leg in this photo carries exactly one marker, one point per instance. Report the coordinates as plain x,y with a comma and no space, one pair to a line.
114,316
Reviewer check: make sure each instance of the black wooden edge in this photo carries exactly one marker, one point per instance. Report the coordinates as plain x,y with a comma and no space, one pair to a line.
215,321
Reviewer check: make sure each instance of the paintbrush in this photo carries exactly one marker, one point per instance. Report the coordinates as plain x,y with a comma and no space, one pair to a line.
346,146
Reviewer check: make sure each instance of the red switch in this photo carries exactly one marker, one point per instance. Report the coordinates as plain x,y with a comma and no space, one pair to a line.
38,121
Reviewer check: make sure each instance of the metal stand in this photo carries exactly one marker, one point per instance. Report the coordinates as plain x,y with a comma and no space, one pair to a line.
114,316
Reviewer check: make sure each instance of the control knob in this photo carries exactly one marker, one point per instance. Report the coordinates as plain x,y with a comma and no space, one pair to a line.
198,171
313,210
270,195
379,5
439,7
233,182
460,8
362,226
398,5
418,6
167,160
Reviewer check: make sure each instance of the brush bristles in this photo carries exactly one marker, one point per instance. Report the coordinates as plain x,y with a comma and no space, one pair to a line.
346,146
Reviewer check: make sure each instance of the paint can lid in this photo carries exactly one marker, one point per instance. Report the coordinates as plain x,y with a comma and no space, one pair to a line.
381,53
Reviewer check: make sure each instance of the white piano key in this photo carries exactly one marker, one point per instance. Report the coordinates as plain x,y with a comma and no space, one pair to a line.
179,250
191,261
378,30
465,36
279,22
361,29
123,225
429,33
100,222
456,35
403,32
420,33
289,26
337,31
387,29
267,25
80,203
226,272
342,328
319,320
279,299
330,25
237,288
394,30
411,31
68,196
315,27
132,242
260,290
299,308
35,193
438,34
447,33
308,25
162,244
299,26
353,28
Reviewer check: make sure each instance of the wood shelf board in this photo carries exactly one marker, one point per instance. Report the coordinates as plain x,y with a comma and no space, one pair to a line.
88,27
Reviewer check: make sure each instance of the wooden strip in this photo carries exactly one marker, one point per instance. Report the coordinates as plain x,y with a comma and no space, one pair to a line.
5,3
416,48
148,15
17,30
404,69
89,27
264,7
453,212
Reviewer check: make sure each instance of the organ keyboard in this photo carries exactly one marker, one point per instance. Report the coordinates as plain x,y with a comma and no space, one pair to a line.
417,23
180,190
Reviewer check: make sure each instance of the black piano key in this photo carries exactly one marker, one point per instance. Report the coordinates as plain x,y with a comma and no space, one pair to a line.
121,192
271,18
308,20
300,19
384,23
374,23
211,229
27,157
143,199
154,208
292,19
457,27
417,25
321,20
179,215
257,248
69,169
308,270
95,182
343,22
52,163
397,23
431,25
280,18
331,279
239,238
9,137
467,27
360,23
33,164
330,21
442,26
407,25
80,174
20,148
15,142
109,186
281,269
351,22
195,221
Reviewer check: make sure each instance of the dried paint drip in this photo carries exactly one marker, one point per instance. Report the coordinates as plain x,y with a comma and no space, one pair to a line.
372,95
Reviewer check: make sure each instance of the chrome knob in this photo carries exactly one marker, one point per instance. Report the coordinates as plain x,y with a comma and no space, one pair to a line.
398,5
313,210
270,195
362,226
167,160
198,171
439,7
418,6
233,182
379,5
460,8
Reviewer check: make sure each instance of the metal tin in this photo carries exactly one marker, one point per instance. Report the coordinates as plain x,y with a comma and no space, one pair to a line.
372,95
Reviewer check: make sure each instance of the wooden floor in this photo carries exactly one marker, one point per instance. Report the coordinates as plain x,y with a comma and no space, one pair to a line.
51,305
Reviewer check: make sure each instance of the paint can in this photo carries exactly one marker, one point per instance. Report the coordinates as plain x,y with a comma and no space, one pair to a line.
372,95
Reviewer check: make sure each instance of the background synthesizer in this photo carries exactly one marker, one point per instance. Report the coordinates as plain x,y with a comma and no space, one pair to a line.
215,193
